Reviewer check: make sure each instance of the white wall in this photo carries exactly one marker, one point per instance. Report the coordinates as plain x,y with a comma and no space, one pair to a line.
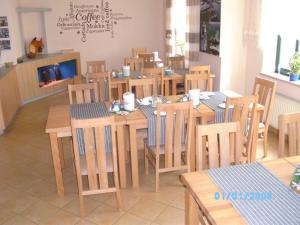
232,50
8,8
146,29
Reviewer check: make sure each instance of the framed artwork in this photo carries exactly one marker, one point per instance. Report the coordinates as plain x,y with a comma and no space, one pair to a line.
210,21
3,21
5,44
4,33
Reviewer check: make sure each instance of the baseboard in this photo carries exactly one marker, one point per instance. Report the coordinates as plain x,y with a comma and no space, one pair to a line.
44,96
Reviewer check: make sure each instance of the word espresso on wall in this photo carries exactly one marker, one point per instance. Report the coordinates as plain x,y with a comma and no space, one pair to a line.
86,19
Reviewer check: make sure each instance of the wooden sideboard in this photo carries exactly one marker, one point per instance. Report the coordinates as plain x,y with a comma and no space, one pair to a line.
27,76
20,84
9,97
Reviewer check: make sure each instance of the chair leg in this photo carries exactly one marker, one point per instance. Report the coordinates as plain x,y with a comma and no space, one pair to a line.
156,181
119,200
265,143
81,205
73,156
146,159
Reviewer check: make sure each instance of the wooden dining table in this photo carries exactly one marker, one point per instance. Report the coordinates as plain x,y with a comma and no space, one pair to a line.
200,194
59,126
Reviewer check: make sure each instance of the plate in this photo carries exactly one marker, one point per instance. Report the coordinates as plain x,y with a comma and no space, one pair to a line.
223,106
122,113
161,113
146,100
204,97
207,93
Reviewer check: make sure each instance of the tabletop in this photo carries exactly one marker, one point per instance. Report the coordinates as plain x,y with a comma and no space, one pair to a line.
202,188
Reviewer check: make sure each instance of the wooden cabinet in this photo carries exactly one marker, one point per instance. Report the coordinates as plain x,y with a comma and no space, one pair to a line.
27,76
9,97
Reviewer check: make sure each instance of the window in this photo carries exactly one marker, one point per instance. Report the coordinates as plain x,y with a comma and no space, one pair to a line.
178,24
279,18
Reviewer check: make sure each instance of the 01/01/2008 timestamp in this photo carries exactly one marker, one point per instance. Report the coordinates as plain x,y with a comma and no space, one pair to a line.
243,196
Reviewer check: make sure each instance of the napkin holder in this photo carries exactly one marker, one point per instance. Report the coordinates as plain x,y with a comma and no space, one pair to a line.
126,71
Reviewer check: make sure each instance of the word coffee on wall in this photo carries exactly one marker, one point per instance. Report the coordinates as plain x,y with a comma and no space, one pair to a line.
88,19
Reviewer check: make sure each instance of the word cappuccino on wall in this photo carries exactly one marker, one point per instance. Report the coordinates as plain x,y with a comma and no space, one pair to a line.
87,19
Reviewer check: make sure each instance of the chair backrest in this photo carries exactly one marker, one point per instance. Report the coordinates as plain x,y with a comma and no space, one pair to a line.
220,141
198,81
104,84
136,64
148,60
177,133
265,89
200,69
176,62
158,74
244,110
95,66
143,87
84,93
137,51
97,162
289,124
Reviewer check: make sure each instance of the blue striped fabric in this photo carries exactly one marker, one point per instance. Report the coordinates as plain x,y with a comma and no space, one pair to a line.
148,111
89,111
213,103
282,209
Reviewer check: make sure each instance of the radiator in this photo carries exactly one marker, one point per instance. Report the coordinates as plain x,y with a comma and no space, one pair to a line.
283,105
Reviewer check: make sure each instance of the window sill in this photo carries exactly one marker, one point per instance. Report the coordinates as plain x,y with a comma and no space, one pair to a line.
280,77
285,87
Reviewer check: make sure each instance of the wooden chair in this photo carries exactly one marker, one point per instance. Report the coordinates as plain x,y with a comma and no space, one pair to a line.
148,60
136,64
143,87
96,163
197,81
244,111
158,74
265,89
289,124
200,69
215,143
176,62
95,66
137,51
176,149
104,84
84,93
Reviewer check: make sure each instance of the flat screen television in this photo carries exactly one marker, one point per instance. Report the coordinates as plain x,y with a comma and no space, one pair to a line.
57,73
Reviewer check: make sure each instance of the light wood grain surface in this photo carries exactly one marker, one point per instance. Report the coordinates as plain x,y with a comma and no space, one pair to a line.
202,189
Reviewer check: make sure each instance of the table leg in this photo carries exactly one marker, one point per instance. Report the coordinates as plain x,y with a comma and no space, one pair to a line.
61,153
167,88
57,164
134,156
121,156
191,210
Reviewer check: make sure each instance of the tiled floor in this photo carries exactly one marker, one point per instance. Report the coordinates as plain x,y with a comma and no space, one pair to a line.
28,193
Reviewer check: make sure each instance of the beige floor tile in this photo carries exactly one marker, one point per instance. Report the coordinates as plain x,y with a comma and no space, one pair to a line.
129,219
104,215
171,216
62,218
18,220
20,203
73,206
85,222
40,211
147,209
5,215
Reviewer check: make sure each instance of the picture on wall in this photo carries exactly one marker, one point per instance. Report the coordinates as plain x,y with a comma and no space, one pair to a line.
5,44
4,33
210,21
3,21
